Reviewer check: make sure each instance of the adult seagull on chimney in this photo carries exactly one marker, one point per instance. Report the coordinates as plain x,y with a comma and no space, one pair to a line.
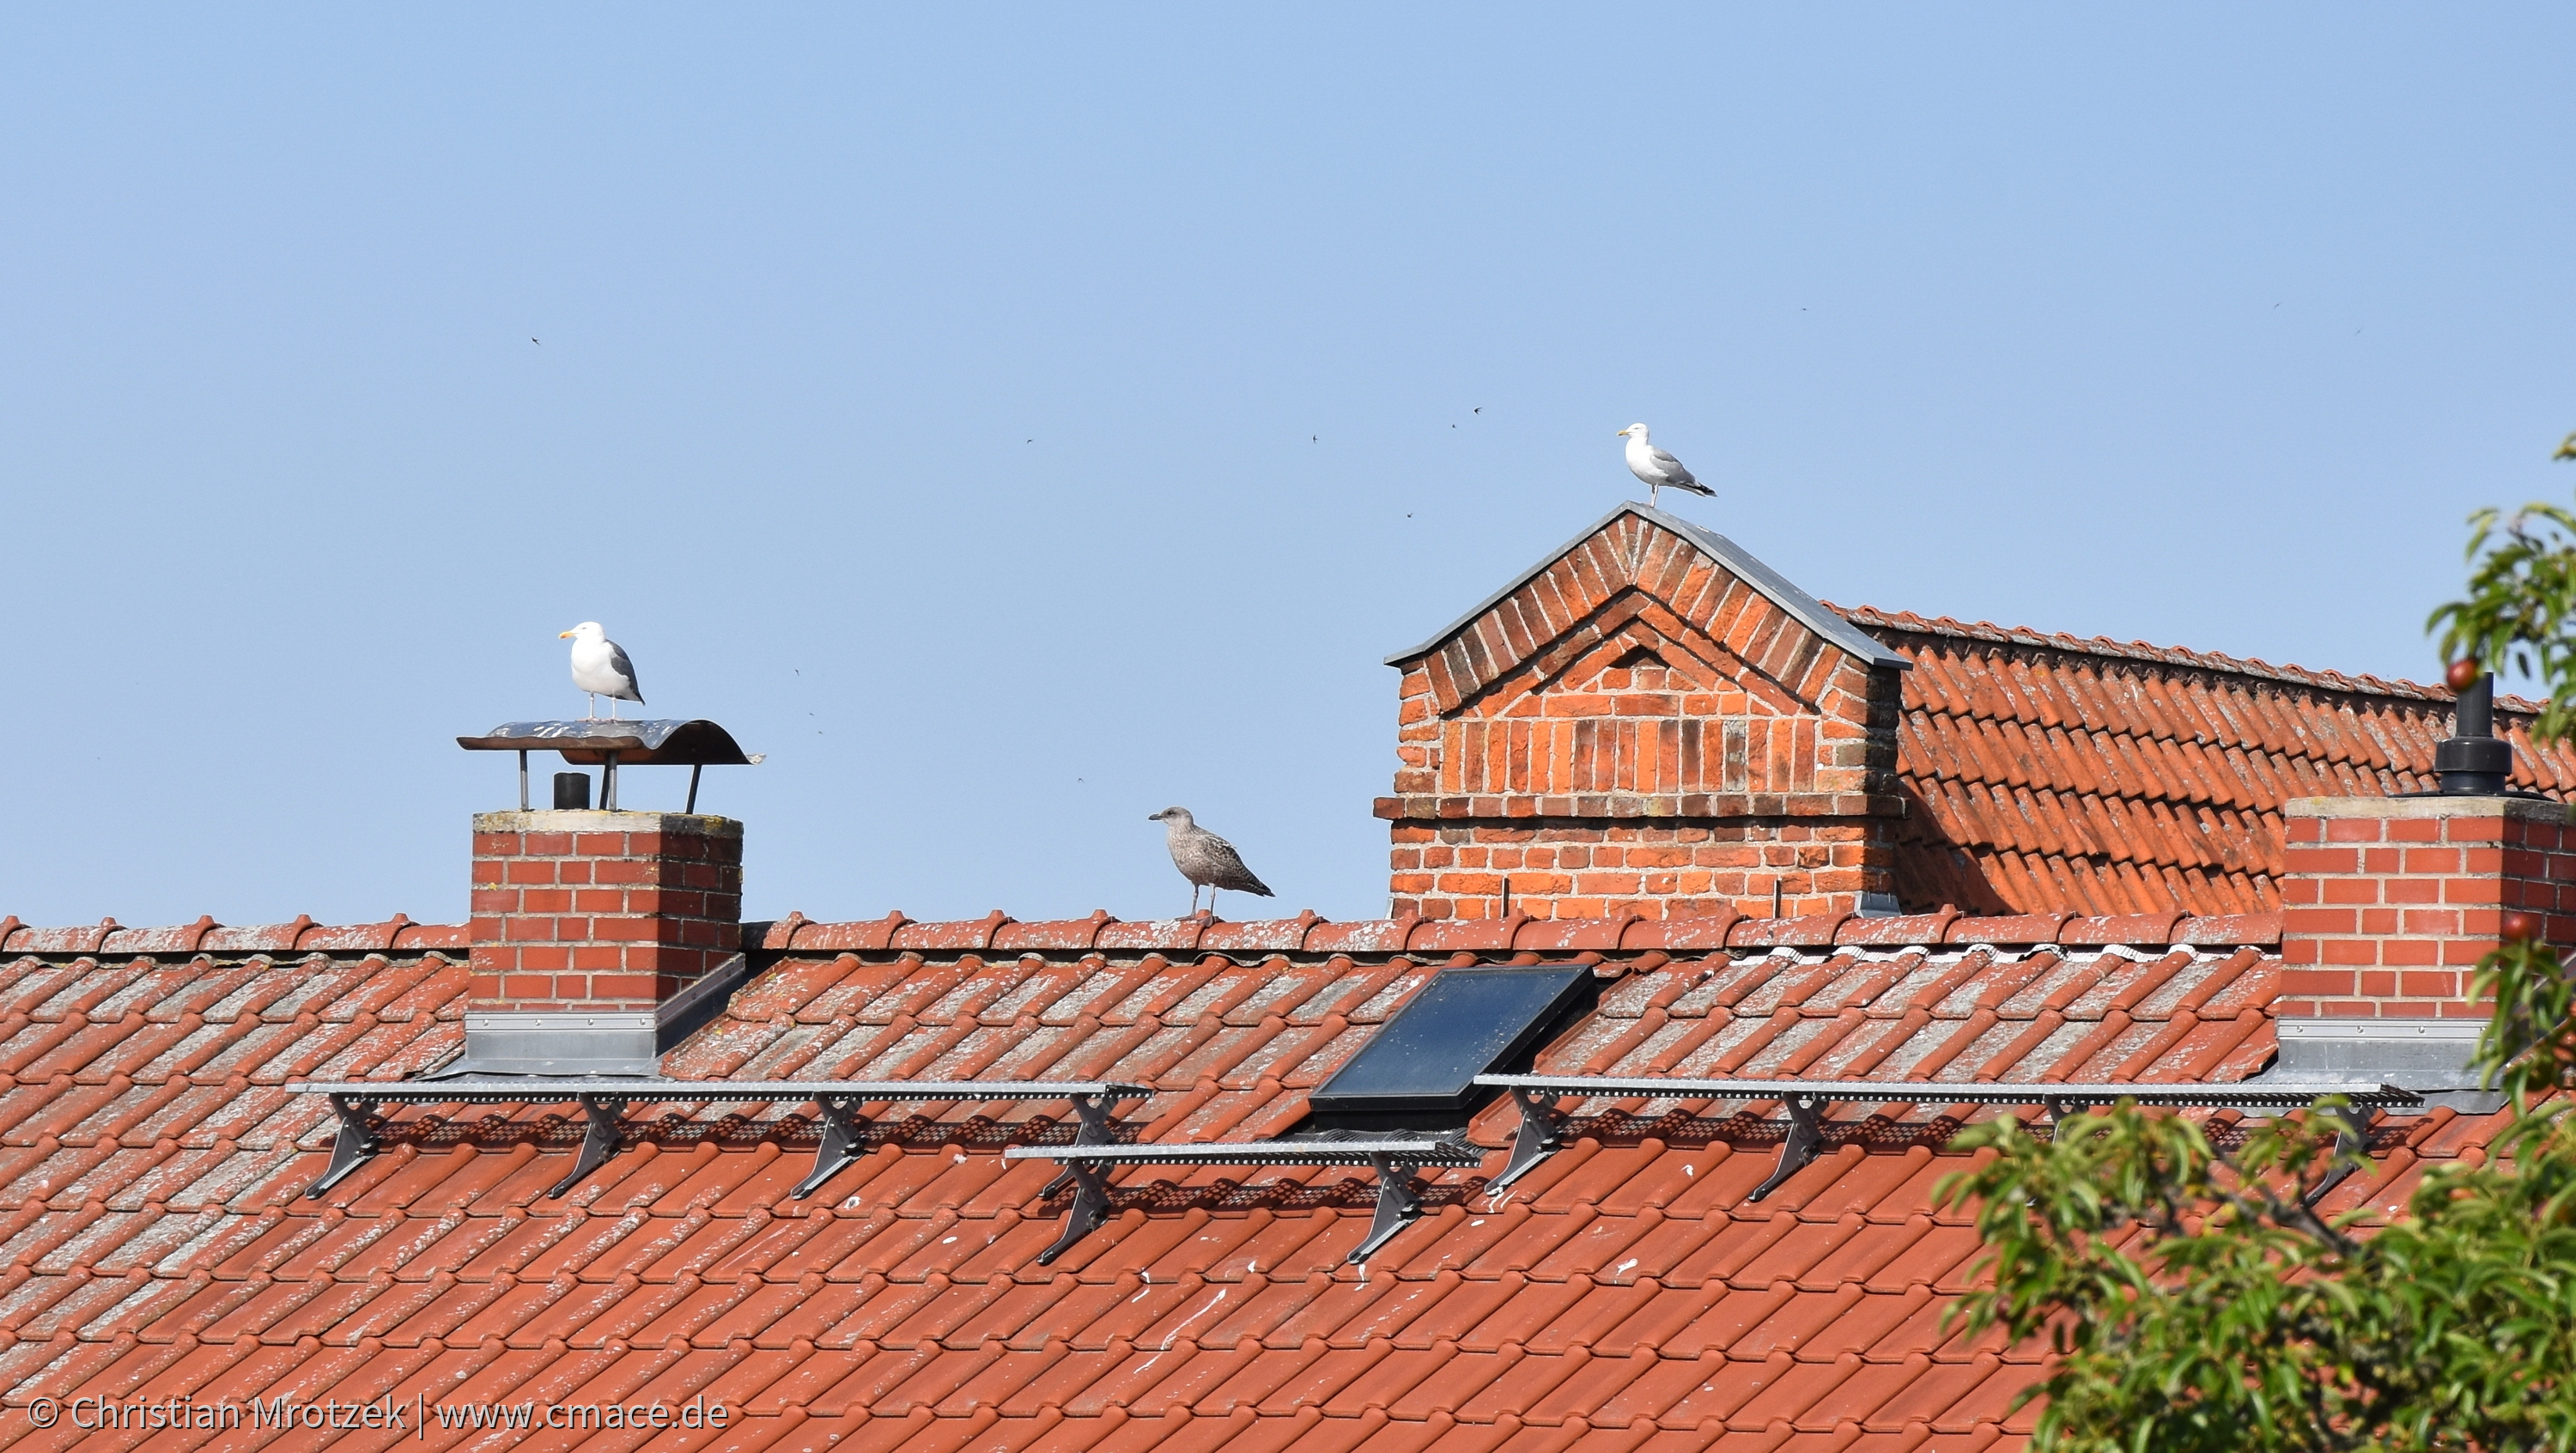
600,667
1657,468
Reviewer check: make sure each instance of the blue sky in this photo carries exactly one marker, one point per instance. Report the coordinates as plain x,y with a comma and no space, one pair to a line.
1015,420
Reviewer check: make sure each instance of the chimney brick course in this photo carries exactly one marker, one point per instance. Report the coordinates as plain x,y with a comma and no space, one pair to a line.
600,910
2388,903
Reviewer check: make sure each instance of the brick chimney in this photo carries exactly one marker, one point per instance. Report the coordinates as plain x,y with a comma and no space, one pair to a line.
599,938
2387,905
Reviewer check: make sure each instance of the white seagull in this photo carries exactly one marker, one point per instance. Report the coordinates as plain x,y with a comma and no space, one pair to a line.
600,667
1657,468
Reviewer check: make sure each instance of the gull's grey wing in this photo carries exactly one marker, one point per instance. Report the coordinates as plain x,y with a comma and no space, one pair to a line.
618,663
1209,860
1674,472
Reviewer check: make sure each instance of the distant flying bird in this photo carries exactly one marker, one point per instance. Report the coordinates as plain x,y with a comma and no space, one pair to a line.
600,667
1207,860
1658,469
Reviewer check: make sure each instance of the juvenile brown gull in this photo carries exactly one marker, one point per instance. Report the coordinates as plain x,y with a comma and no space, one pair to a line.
1207,860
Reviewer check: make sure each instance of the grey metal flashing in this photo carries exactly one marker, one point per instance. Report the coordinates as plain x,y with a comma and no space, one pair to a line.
693,1008
1811,612
602,1097
625,1043
621,1043
1543,1123
1395,1159
2428,1056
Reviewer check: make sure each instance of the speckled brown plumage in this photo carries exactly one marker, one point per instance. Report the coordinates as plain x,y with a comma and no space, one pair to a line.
1207,860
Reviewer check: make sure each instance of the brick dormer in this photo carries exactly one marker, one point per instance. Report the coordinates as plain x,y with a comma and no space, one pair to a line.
1649,721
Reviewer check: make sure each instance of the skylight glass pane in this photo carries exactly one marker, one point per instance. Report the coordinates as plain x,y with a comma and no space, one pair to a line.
1464,1023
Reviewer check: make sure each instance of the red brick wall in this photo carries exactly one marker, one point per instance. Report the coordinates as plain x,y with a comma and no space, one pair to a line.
601,910
2388,903
1591,870
1636,729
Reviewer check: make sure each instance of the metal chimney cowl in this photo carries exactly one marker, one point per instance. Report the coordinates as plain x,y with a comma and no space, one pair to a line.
599,939
2473,761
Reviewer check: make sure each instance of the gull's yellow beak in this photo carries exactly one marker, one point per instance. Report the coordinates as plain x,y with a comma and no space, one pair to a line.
563,635
1622,434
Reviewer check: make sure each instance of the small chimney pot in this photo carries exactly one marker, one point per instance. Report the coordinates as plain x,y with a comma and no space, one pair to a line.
572,792
2473,761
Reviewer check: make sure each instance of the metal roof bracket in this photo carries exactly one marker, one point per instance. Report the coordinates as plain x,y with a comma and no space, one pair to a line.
355,1145
1090,1206
1398,1203
2352,1136
1806,1133
598,1142
1093,1112
844,1140
1541,1135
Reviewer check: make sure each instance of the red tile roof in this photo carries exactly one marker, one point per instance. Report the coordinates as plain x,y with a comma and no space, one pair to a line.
2053,773
1622,1296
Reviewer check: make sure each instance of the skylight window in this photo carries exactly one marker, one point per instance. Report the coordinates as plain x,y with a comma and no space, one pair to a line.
1419,1070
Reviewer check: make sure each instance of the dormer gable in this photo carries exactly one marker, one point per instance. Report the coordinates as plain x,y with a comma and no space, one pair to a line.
1650,670
1634,557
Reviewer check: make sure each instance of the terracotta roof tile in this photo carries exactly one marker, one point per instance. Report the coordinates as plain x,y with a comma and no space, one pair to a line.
2124,779
1623,1294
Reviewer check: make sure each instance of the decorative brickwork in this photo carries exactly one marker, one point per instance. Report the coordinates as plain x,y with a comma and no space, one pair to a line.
1648,723
2388,903
601,910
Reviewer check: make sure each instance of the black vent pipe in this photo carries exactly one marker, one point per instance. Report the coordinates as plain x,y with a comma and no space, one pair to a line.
2474,762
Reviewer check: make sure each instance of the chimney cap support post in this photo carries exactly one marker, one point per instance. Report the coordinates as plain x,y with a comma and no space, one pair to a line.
695,744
